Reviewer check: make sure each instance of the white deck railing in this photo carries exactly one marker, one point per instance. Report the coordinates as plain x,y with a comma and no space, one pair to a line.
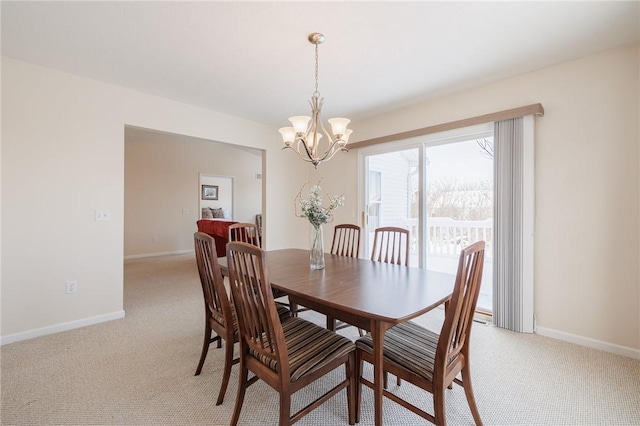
446,236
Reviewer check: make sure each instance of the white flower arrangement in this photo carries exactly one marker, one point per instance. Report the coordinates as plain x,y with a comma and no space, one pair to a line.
311,208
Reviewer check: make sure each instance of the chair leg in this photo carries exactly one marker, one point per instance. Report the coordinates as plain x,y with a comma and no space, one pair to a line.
293,307
228,362
385,380
398,381
358,389
438,406
350,369
468,391
205,347
285,409
242,388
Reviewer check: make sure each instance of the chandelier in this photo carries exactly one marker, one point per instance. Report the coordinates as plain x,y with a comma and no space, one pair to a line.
304,137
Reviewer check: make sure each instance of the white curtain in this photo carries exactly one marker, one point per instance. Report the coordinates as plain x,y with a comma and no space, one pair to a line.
513,224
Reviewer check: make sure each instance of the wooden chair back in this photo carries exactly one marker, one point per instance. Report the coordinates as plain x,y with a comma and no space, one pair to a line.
391,245
244,232
256,311
346,240
454,336
216,300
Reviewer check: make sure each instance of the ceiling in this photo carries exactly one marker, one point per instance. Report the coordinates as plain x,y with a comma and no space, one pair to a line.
253,60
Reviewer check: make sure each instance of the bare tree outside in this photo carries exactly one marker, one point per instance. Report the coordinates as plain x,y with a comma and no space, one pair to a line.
486,145
449,197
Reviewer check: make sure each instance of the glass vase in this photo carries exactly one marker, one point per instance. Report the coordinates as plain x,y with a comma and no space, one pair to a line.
316,257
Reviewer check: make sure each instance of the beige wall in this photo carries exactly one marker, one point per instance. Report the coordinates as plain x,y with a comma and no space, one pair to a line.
161,178
66,134
587,283
62,158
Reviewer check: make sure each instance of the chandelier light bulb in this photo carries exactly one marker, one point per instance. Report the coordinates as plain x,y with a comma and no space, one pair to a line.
338,125
345,138
288,135
300,123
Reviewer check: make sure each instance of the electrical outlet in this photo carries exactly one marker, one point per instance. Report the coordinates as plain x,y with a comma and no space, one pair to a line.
103,215
72,287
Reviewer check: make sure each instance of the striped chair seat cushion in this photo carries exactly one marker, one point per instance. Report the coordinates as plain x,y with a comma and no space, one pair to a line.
283,312
407,345
310,347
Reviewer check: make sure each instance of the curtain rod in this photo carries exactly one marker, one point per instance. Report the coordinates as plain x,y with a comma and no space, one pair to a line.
536,109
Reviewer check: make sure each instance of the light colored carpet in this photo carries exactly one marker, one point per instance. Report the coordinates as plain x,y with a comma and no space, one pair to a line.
139,370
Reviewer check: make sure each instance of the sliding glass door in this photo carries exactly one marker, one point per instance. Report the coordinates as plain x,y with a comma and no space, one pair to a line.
440,188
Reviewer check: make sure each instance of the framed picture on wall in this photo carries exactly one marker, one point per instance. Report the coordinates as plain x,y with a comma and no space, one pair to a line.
209,192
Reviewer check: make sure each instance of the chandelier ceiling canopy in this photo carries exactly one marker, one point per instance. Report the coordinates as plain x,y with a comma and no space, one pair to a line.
304,137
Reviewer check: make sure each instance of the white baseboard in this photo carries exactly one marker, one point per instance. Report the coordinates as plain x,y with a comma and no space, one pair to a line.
166,253
57,328
588,342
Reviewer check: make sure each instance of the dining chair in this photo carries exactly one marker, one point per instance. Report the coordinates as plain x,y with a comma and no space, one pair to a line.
429,360
391,245
245,232
287,355
346,240
219,313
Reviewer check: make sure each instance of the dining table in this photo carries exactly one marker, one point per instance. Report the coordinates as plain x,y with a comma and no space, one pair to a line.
373,296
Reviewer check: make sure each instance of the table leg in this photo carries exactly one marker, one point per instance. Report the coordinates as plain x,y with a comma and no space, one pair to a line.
331,323
378,329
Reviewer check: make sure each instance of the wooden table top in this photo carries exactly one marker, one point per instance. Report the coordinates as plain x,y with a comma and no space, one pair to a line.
361,287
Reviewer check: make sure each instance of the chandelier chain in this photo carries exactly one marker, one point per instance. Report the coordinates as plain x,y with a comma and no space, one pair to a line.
316,93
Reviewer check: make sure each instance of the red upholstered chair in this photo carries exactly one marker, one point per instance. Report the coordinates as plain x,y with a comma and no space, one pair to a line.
429,360
287,355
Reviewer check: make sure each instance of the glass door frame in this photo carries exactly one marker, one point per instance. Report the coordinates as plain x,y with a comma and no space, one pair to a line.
421,143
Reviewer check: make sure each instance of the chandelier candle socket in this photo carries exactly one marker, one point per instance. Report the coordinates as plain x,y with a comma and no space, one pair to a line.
304,137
